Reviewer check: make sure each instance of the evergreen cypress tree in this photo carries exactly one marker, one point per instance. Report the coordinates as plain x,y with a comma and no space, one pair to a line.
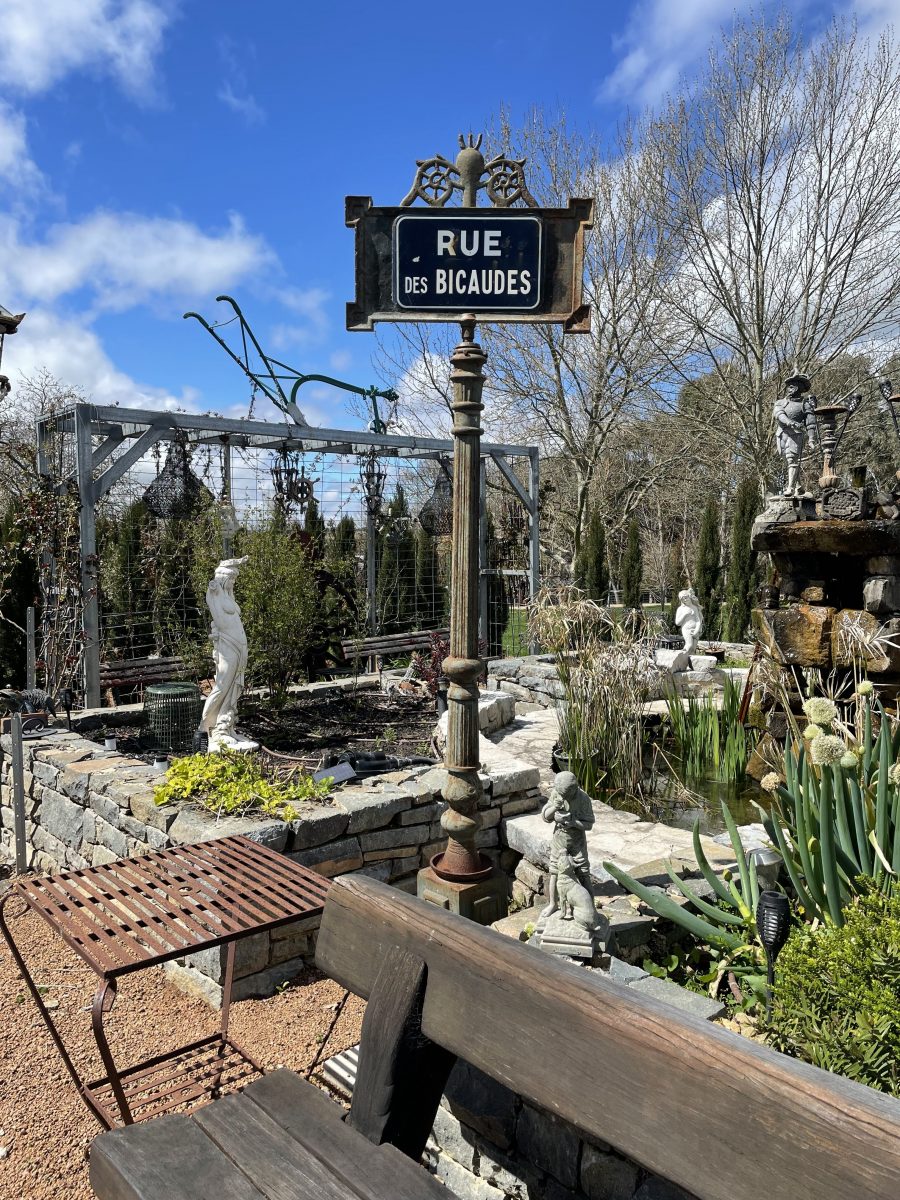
341,550
632,568
314,529
396,587
708,569
742,562
497,598
20,590
592,573
429,592
128,587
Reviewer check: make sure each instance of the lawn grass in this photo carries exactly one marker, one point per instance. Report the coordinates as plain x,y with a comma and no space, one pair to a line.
515,635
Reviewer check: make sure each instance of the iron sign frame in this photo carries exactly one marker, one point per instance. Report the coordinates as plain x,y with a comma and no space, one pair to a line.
562,266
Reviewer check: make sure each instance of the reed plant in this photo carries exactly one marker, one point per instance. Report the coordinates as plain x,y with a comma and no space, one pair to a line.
709,740
604,671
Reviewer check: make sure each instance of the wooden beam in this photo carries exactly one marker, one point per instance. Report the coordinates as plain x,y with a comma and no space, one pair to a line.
510,477
126,461
114,438
712,1111
401,1073
272,431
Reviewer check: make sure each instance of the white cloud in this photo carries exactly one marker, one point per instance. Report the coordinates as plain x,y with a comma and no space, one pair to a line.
874,16
235,91
123,259
662,40
75,355
340,360
17,169
309,305
45,40
243,103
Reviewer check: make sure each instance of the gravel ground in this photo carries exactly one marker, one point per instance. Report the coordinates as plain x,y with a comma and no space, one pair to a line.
45,1128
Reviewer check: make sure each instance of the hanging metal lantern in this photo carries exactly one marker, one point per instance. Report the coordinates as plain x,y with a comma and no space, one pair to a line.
176,491
373,476
293,489
436,514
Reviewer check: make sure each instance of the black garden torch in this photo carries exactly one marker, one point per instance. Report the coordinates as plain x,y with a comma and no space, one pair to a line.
773,921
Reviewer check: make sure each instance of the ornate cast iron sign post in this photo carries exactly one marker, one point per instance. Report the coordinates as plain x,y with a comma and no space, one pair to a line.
444,264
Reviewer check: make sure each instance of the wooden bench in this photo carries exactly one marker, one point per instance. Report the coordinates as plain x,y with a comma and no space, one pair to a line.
718,1114
133,673
391,645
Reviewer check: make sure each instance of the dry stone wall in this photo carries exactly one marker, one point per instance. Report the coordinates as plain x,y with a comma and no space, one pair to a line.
85,806
533,683
489,1144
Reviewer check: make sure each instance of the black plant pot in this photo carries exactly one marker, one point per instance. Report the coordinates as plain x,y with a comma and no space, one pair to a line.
559,760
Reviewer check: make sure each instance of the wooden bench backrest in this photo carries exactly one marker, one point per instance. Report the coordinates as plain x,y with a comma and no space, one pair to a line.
706,1108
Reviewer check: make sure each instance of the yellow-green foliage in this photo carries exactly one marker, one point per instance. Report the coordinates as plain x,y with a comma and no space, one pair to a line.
232,783
837,994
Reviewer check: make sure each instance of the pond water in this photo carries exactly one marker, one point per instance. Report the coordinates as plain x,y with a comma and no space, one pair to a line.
703,798
669,800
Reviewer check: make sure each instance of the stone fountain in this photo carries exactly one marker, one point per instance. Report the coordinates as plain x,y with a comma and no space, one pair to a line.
836,554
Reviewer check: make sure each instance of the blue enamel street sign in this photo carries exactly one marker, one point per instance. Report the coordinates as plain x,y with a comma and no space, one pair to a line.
450,261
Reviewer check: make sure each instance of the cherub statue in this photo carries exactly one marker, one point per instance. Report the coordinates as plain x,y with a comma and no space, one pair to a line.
793,414
572,815
689,619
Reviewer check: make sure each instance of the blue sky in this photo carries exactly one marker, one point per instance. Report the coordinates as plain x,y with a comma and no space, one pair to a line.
154,153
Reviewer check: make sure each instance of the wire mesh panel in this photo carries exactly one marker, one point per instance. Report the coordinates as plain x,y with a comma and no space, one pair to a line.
347,539
172,713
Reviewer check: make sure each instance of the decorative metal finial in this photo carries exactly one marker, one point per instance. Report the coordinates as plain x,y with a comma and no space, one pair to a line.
501,177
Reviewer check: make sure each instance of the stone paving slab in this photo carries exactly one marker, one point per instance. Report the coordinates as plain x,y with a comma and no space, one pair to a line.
531,737
617,837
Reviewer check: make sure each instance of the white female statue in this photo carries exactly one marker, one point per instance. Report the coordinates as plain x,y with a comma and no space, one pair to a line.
689,619
230,654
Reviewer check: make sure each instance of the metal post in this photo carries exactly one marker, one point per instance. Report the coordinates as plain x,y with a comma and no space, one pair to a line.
228,528
30,654
88,532
483,564
462,820
534,530
371,613
17,771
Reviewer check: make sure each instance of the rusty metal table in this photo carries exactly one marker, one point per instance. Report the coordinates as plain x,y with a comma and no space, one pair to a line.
140,912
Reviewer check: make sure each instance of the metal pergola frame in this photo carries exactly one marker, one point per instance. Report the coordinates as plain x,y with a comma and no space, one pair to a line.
100,431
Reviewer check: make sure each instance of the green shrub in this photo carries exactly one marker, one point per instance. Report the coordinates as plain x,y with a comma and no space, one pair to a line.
280,607
229,783
837,994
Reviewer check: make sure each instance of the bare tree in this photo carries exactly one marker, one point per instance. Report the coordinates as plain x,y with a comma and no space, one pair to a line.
33,396
782,165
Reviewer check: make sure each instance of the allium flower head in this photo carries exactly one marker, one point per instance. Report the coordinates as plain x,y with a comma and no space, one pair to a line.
866,688
812,731
826,749
820,710
849,760
770,782
894,774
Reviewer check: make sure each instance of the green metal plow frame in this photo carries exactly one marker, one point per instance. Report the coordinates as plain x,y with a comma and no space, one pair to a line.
269,382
